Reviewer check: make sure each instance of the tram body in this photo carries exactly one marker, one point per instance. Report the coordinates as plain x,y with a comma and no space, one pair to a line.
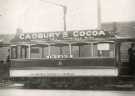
80,53
70,55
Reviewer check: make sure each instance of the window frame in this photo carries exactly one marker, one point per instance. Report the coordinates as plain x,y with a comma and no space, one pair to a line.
91,47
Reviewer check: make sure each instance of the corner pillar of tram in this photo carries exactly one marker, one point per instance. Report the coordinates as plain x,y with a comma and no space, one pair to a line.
123,58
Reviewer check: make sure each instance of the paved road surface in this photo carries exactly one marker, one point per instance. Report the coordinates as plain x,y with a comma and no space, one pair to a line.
35,92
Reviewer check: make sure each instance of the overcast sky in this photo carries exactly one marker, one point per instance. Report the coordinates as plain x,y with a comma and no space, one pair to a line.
40,16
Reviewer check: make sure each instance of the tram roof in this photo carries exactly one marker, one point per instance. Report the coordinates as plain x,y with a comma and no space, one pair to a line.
125,39
3,44
60,40
72,42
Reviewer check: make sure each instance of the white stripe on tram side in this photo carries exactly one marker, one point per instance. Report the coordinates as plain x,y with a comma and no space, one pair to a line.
64,72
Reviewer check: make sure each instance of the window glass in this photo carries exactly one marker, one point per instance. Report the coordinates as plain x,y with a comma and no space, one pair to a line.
81,51
93,50
85,51
45,52
36,52
75,51
59,52
14,52
55,50
104,50
23,52
18,51
63,51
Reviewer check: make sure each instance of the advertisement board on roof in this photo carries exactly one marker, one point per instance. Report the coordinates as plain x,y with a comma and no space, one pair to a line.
69,35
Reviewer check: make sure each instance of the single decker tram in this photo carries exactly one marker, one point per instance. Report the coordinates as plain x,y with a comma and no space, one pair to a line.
69,59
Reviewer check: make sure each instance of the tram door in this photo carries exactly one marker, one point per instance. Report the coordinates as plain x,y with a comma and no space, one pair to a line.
124,58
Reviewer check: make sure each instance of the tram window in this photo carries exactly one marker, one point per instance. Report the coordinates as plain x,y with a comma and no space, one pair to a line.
18,51
13,52
55,50
45,52
75,51
36,52
59,50
85,53
104,50
65,50
23,51
81,51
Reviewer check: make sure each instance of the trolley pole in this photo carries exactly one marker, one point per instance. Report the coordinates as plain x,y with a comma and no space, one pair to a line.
64,17
99,14
64,12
